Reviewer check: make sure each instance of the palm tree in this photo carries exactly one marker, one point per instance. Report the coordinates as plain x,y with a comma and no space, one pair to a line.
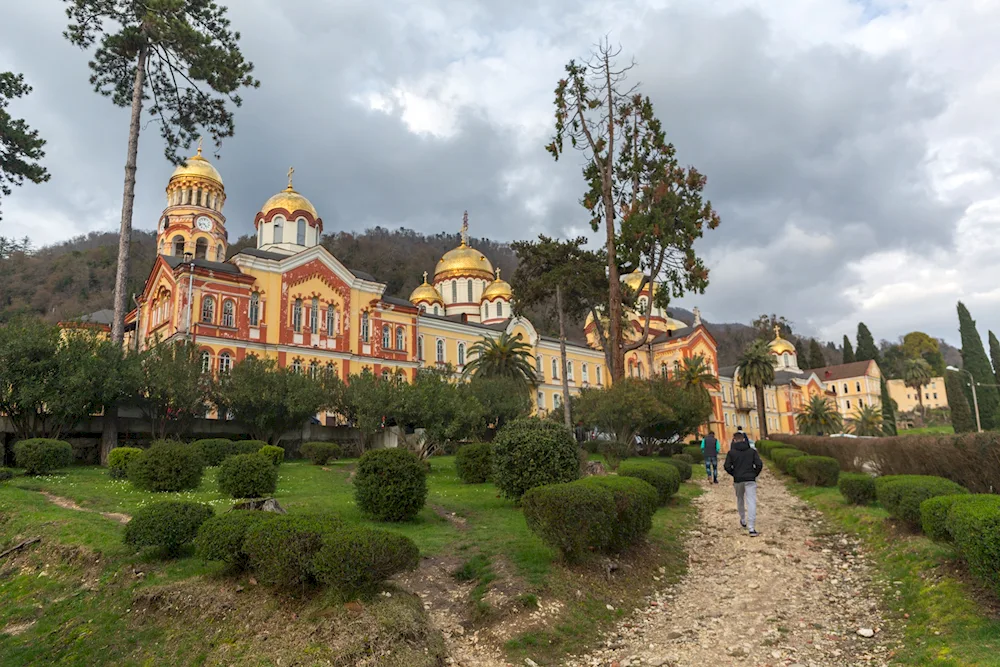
819,416
505,356
916,374
867,421
695,372
756,369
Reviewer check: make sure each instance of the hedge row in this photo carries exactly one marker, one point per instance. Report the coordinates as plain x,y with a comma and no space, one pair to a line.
901,495
663,477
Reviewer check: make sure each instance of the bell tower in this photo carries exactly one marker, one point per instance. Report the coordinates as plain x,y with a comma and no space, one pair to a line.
192,221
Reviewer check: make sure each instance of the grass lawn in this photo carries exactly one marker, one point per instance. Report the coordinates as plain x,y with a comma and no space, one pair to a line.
946,429
82,597
949,622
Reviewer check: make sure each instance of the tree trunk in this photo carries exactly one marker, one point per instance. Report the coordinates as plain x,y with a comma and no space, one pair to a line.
607,182
562,354
762,413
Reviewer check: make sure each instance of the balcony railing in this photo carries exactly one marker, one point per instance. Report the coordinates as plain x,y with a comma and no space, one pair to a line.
745,405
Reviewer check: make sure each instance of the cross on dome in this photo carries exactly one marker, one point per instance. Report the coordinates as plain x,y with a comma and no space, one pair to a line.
498,273
425,277
465,228
291,170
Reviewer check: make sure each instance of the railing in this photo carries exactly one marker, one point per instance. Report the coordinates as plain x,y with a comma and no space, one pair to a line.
745,405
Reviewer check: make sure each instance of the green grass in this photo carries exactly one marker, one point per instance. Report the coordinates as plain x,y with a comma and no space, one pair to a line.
945,429
946,625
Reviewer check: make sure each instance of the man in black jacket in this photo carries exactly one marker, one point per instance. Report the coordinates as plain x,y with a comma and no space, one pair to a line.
744,464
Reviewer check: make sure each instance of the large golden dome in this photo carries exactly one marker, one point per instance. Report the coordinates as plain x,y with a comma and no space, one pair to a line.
291,201
463,260
779,345
498,289
196,165
634,279
425,293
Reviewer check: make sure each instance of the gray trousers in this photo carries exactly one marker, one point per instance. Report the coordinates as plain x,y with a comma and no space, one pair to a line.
746,502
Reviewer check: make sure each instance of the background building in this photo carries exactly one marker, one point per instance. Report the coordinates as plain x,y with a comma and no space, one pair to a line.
906,398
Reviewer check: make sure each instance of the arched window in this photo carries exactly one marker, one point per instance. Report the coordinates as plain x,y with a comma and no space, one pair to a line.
556,400
586,373
201,249
423,308
197,197
663,368
786,360
436,310
314,316
313,369
228,313
569,369
538,363
845,387
639,369
858,386
220,254
440,351
277,233
420,348
255,309
386,336
470,290
461,354
225,362
331,370
365,327
400,338
159,248
297,366
297,315
499,308
600,375
331,320
454,291
300,232
555,369
208,310
178,246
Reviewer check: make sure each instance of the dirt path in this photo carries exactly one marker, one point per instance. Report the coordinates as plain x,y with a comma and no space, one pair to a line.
68,504
788,597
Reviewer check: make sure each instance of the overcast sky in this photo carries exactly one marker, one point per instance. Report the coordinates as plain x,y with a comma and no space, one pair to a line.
852,148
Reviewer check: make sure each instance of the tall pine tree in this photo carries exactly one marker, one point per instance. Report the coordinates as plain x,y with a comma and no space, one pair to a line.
848,351
962,419
975,361
995,355
816,359
866,350
800,354
888,411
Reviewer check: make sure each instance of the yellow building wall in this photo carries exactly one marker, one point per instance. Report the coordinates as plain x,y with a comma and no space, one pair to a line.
934,393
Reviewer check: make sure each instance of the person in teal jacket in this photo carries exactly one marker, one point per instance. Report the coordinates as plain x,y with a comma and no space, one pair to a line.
710,451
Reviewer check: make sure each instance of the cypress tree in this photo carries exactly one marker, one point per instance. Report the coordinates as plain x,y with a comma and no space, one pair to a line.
975,361
995,355
800,354
962,419
816,358
888,411
866,349
848,351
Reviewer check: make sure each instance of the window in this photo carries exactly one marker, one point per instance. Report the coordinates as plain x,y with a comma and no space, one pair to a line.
470,291
461,354
857,385
400,338
934,385
386,336
600,375
225,362
314,316
179,246
297,366
331,320
365,327
420,348
935,396
331,370
440,351
297,315
845,387
385,374
638,369
909,397
313,370
206,361
276,234
569,369
556,400
555,369
300,232
499,308
220,254
207,309
848,404
586,373
861,402
436,310
201,249
254,309
454,291
926,396
663,368
726,419
228,314
538,363
541,401
786,360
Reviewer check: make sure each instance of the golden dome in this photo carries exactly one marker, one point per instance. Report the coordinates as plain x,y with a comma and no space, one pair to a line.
463,260
196,165
779,345
425,293
498,289
291,201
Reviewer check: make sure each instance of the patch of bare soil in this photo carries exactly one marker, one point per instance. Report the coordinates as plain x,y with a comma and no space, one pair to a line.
459,522
15,629
68,504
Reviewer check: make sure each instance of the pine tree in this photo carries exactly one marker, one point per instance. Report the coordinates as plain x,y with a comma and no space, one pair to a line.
800,354
848,351
816,358
962,419
975,361
995,355
888,410
21,148
866,350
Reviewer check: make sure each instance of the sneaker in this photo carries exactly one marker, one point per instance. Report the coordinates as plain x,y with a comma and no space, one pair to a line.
743,523
754,533
715,481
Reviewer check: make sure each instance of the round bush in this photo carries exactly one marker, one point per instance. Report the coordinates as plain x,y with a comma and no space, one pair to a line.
934,515
816,470
390,484
354,560
275,454
321,452
119,459
247,476
857,488
5,474
901,495
214,450
694,451
474,463
975,527
663,477
168,525
248,446
683,457
532,452
167,466
280,550
40,456
635,503
573,518
683,467
222,537
780,456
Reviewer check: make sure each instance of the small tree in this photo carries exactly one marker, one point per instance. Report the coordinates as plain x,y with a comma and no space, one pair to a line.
756,369
501,401
368,401
20,146
975,361
962,419
918,345
173,391
683,409
848,351
623,409
916,375
819,417
888,410
505,356
867,421
432,403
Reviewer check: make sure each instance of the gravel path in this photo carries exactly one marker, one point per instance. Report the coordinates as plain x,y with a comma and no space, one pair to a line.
795,595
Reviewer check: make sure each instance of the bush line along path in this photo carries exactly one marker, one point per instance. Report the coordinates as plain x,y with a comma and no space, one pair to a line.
796,595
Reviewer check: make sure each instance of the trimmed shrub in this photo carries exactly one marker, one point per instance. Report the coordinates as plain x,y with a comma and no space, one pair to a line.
275,454
321,452
765,446
780,456
635,503
815,470
573,518
214,450
280,551
222,537
533,452
474,463
248,446
390,484
684,457
683,467
167,466
354,560
168,525
247,476
694,451
40,456
119,459
901,495
5,474
934,515
975,527
857,488
663,477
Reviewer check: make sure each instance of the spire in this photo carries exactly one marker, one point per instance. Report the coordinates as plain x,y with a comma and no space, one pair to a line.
697,316
200,139
425,277
465,228
291,170
497,272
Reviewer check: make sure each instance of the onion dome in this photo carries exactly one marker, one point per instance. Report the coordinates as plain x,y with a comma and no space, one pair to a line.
498,289
291,201
463,260
634,279
426,293
198,166
779,345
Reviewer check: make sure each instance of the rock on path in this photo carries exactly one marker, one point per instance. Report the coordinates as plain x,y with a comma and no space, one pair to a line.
796,595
